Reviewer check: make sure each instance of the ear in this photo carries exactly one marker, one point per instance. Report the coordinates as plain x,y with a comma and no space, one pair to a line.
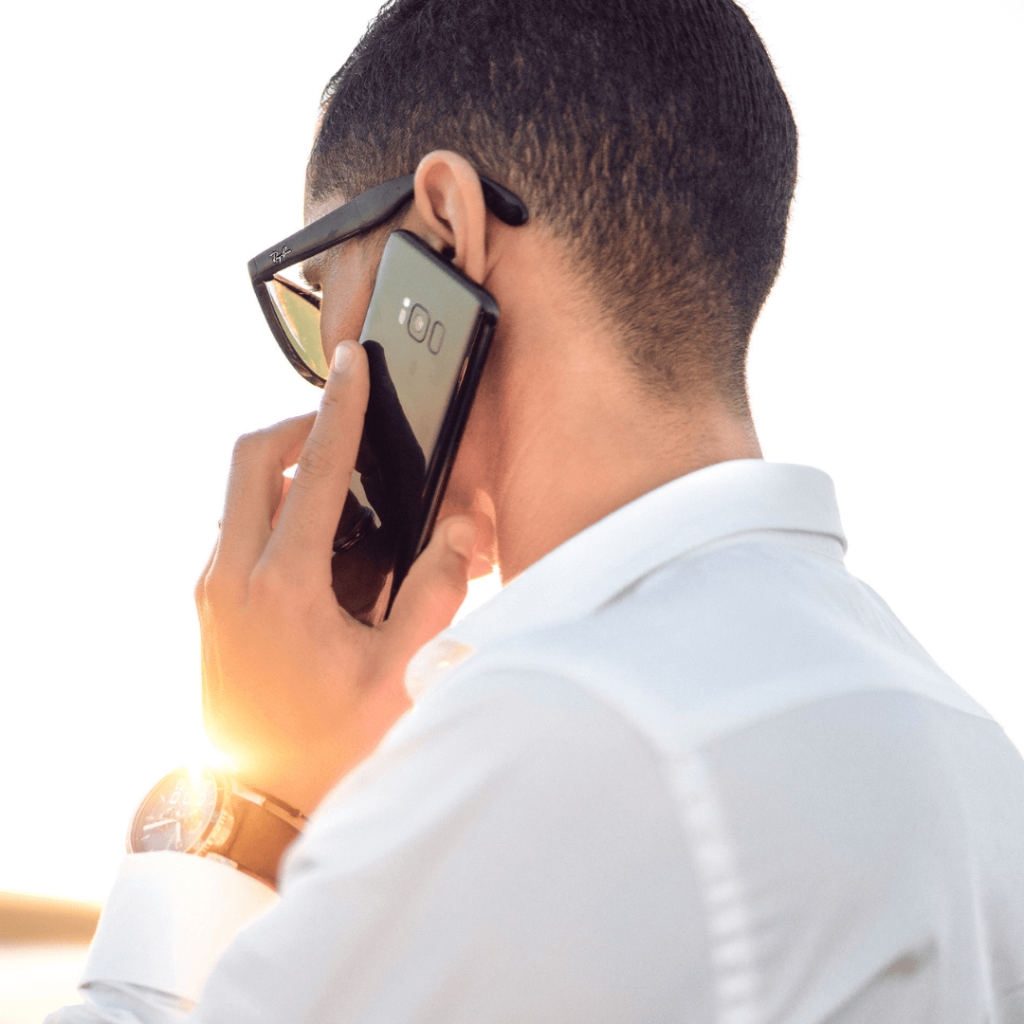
450,204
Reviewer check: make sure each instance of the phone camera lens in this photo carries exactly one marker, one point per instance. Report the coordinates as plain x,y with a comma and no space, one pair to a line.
419,321
436,337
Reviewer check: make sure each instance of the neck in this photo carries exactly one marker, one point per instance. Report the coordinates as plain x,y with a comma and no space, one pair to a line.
567,473
579,437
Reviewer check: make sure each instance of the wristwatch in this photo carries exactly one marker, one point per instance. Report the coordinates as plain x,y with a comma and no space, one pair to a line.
208,813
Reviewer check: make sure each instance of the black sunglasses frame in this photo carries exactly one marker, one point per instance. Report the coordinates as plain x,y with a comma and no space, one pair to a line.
353,218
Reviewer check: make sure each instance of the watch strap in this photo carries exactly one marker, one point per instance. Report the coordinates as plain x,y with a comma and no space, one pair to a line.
258,839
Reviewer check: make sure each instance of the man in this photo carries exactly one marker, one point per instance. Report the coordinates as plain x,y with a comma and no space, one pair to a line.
683,767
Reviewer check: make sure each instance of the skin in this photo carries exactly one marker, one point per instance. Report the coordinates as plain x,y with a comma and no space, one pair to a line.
560,435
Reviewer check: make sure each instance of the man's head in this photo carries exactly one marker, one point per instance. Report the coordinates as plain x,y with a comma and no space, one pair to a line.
653,141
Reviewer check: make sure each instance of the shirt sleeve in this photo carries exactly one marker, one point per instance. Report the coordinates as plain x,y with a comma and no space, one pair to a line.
510,852
167,921
120,1003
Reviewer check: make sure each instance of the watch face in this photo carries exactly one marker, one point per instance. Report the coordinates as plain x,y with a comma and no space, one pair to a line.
177,814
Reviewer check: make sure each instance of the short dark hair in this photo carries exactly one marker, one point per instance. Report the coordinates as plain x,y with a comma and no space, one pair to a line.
651,136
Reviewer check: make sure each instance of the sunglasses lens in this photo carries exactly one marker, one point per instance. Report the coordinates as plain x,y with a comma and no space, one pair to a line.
298,312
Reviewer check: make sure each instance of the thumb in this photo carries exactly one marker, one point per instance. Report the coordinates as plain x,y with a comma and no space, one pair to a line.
433,590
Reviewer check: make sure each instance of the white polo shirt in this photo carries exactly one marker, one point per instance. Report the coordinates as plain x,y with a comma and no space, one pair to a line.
685,768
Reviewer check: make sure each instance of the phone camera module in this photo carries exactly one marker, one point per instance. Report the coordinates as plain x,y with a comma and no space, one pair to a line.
436,337
419,321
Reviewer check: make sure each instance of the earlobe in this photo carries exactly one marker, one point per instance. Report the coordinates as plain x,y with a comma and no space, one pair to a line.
450,204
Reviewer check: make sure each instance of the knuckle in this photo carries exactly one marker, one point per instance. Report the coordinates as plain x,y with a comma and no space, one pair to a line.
278,594
199,593
215,589
331,401
216,593
248,446
272,586
316,460
218,589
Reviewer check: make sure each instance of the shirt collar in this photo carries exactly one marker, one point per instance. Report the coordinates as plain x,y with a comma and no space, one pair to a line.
590,568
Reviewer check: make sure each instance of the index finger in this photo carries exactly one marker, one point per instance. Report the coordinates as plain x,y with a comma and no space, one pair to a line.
304,534
254,491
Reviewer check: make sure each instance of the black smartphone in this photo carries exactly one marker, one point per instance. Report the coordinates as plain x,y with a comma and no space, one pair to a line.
426,335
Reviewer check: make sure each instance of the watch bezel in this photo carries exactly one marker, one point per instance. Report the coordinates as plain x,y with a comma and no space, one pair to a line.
218,829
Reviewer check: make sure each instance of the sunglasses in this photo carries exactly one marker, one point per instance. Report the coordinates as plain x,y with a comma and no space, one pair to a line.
292,309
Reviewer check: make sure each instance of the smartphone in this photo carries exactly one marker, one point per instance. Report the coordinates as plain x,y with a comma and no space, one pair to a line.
426,335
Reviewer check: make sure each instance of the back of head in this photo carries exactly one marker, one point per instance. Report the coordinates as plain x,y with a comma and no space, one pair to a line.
653,139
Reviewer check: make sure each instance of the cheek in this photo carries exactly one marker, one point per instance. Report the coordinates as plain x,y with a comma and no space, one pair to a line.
345,301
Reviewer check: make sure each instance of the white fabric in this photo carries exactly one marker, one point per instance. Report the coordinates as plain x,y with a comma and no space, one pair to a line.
162,960
685,768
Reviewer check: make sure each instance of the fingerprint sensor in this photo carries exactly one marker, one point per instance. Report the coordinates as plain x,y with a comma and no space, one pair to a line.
436,338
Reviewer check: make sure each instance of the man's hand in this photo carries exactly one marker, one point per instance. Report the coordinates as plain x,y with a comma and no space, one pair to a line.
295,688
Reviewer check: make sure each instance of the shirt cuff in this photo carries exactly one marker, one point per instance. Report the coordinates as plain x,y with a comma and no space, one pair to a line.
168,919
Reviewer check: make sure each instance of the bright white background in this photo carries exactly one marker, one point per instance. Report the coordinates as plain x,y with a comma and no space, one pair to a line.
152,149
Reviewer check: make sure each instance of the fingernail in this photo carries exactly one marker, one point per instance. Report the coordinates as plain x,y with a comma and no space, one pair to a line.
343,356
460,537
